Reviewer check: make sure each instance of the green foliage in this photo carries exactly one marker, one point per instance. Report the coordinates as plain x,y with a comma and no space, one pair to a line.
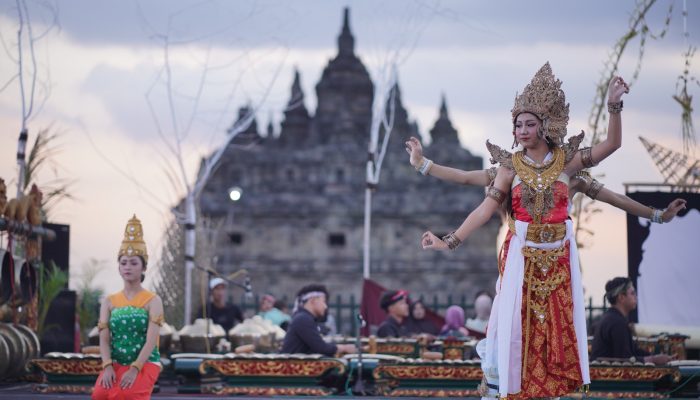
51,281
88,306
43,154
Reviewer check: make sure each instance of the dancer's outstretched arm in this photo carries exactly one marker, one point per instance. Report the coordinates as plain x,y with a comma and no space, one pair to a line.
479,177
588,158
496,194
595,190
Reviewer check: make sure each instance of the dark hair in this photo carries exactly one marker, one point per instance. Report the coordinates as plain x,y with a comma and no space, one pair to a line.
412,307
390,297
610,288
314,287
280,305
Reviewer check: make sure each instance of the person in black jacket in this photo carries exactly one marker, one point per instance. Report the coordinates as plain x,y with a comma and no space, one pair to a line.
303,334
395,303
613,338
222,313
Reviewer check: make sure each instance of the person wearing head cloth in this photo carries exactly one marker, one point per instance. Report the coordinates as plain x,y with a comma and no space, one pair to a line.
536,342
482,308
454,323
129,326
395,304
613,338
303,334
218,309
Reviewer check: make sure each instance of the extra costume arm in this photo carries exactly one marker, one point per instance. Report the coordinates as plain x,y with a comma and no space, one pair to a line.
595,190
485,210
454,175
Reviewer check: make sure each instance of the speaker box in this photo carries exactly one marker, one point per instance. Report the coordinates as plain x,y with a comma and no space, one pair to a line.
60,324
57,250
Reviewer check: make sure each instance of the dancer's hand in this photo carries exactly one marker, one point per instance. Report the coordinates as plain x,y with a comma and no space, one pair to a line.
673,208
128,378
415,149
616,89
108,377
430,241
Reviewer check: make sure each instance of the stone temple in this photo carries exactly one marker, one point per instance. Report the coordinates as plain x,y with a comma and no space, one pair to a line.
300,218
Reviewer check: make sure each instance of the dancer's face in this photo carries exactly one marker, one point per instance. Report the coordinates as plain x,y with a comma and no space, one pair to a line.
527,127
131,268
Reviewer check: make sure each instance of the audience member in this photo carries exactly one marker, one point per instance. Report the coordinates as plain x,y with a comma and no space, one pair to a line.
454,323
482,308
417,323
613,337
226,315
394,303
303,334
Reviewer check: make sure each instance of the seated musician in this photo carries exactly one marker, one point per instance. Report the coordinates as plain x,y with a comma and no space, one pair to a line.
394,303
613,337
303,334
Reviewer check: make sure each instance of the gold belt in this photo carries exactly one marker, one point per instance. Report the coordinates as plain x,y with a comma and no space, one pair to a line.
542,233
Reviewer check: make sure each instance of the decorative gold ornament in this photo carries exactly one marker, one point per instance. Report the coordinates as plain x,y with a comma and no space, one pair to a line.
544,98
537,191
133,244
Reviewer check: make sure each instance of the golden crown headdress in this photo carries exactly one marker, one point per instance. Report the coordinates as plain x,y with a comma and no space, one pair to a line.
133,244
544,98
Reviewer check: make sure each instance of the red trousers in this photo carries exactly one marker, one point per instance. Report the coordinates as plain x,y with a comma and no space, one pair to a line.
141,389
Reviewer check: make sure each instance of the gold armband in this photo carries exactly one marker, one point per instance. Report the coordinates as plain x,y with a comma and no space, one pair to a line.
159,320
102,325
496,194
593,188
587,158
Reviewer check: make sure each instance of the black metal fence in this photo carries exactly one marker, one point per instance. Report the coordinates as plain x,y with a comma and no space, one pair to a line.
345,309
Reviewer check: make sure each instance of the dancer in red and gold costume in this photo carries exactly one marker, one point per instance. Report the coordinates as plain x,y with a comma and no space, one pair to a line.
536,342
129,324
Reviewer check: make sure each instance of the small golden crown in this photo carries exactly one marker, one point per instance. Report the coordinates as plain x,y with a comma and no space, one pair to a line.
133,244
544,98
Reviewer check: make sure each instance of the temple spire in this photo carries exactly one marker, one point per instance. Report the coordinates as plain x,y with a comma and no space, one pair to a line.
443,131
443,108
346,42
297,95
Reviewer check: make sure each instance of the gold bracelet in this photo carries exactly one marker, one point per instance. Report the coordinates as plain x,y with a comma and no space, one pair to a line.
451,240
420,164
106,364
615,108
593,188
137,365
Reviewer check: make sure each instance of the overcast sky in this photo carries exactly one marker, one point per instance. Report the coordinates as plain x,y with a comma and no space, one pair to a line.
105,59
